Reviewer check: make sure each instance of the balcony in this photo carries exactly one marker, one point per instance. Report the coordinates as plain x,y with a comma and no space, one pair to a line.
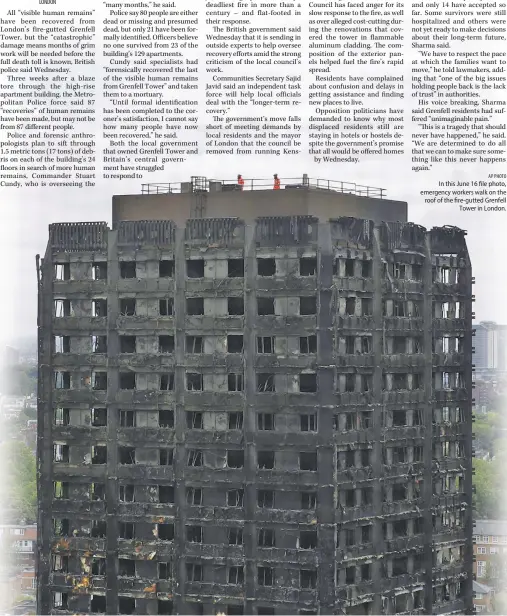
75,289
143,324
404,287
403,361
442,326
350,284
450,395
404,506
143,360
72,361
403,396
145,285
354,398
441,360
403,324
70,325
353,322
350,514
360,361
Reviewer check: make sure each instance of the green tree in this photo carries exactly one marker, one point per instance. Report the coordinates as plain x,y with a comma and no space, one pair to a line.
20,479
486,495
29,413
483,430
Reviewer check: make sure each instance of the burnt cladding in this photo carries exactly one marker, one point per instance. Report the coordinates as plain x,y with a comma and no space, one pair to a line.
265,418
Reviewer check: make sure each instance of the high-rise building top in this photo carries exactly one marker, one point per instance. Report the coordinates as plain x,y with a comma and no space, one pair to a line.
205,198
254,414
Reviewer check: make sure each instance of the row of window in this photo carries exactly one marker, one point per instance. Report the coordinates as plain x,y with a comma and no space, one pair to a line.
194,495
307,266
395,492
234,575
492,550
266,345
266,460
195,457
266,576
128,605
348,306
266,537
400,603
193,344
266,382
266,499
490,539
233,420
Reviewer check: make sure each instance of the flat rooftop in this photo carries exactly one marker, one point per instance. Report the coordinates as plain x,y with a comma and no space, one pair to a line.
198,183
201,197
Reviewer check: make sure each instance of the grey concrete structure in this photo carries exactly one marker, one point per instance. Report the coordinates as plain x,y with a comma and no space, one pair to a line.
490,347
255,414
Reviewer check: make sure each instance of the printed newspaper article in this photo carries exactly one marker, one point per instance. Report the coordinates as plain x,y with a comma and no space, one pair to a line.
253,304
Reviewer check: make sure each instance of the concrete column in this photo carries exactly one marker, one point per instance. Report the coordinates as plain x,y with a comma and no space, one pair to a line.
378,411
179,461
427,407
466,291
326,399
249,420
45,414
113,349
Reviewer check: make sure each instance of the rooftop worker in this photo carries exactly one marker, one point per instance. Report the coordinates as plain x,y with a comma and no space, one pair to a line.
276,182
241,182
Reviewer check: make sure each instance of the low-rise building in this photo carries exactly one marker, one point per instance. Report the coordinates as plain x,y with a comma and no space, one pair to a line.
490,551
483,596
18,544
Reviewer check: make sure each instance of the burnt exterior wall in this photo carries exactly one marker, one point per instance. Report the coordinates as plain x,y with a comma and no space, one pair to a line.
315,458
249,205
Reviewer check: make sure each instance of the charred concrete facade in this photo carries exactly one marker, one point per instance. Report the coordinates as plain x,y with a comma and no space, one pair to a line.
255,415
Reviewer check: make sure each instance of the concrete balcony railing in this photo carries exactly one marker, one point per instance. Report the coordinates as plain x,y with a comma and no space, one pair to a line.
76,289
347,284
395,285
354,322
403,324
449,325
415,360
448,359
72,324
360,360
403,396
142,324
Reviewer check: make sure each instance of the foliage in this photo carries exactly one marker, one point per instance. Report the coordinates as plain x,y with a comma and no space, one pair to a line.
28,414
484,432
21,479
486,496
489,480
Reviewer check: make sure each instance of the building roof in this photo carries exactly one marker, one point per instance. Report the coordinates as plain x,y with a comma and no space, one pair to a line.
482,588
491,527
